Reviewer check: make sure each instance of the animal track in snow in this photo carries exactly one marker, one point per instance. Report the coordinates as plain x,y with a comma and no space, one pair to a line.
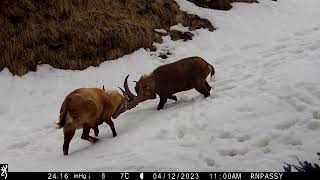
201,126
291,140
301,99
266,150
226,135
314,124
161,134
313,91
47,91
264,141
19,145
250,46
180,133
233,152
294,142
280,47
31,92
295,103
209,161
283,39
181,130
245,109
285,124
316,28
300,33
224,85
244,138
316,115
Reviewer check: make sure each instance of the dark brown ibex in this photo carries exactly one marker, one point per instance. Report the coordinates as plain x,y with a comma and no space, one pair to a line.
88,107
182,75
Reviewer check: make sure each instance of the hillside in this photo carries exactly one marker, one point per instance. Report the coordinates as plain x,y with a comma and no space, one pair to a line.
264,109
76,34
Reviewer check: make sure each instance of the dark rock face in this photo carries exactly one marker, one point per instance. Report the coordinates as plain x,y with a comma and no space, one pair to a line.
219,4
176,35
213,4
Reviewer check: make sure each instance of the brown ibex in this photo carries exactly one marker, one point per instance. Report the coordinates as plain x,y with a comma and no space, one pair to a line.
182,75
88,107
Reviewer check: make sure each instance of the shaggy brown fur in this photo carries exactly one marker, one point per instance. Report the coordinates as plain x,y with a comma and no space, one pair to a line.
183,75
76,34
87,108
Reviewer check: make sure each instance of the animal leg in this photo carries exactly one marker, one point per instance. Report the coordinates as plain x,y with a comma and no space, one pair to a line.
173,97
163,100
85,135
110,123
203,90
208,86
96,130
68,135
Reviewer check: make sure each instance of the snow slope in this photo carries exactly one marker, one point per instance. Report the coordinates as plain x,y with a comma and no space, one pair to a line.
264,109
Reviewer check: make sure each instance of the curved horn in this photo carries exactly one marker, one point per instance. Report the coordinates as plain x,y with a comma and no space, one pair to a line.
123,92
140,93
127,90
137,99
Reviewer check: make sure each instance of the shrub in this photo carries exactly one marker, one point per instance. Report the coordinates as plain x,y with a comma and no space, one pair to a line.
304,166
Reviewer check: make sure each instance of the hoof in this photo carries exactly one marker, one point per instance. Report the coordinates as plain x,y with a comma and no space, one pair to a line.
93,140
159,108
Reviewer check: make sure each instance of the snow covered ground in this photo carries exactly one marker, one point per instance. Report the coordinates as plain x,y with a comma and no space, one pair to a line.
264,109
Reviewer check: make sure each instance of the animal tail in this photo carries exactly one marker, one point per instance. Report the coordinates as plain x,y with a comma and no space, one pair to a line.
212,72
63,114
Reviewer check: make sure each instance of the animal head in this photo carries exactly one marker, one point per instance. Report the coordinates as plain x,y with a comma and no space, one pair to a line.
122,107
146,83
129,100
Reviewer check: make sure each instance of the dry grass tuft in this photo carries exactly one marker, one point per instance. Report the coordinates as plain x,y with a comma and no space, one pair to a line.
75,34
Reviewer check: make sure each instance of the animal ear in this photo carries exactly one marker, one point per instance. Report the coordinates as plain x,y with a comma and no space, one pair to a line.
103,87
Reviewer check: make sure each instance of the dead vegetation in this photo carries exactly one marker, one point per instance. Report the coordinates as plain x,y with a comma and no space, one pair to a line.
75,34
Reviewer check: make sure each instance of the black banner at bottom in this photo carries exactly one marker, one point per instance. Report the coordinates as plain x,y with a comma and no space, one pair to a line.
161,175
